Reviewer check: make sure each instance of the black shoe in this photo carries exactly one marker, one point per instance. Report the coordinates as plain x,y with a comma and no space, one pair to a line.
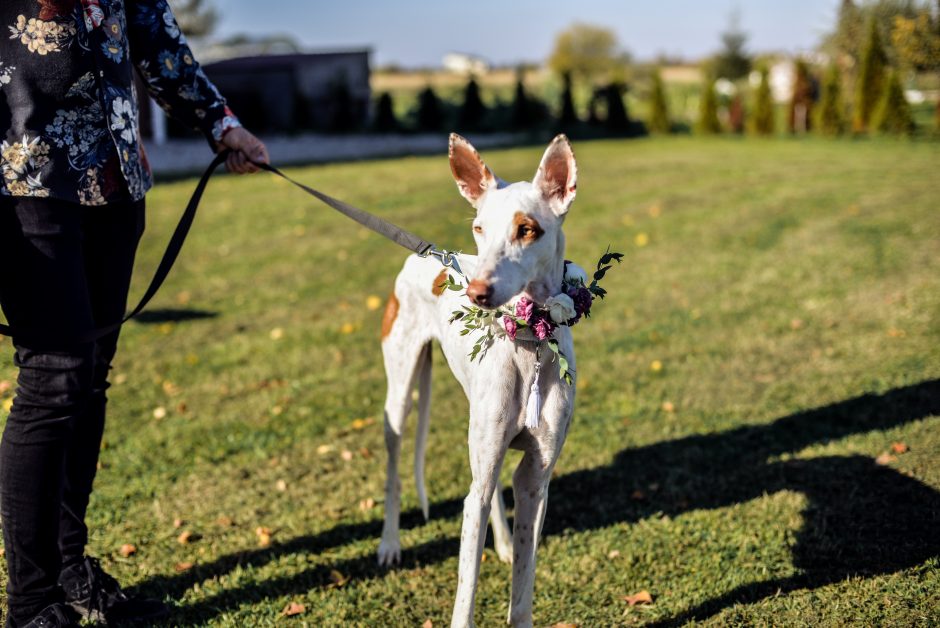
53,616
95,595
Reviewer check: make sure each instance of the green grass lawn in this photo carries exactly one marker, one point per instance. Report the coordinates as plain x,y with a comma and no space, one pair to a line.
773,330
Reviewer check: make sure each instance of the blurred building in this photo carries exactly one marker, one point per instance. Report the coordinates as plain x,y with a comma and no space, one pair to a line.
286,93
460,63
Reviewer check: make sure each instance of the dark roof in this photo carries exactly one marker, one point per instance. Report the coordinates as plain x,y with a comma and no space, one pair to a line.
285,61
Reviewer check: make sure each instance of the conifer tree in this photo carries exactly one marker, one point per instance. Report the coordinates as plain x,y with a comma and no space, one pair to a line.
617,119
830,115
893,113
385,114
522,117
659,112
430,113
567,117
801,103
708,123
473,110
762,122
871,74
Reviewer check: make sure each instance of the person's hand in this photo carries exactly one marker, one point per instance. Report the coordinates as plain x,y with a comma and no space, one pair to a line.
245,148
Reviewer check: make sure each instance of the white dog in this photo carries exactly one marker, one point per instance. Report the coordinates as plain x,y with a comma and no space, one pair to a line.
521,249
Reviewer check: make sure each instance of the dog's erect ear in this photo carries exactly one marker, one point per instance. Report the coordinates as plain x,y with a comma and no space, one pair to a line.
557,177
473,178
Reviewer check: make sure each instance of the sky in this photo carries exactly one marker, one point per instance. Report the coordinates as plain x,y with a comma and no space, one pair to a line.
418,33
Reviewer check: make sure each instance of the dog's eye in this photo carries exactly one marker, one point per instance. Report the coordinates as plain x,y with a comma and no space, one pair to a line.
477,229
525,232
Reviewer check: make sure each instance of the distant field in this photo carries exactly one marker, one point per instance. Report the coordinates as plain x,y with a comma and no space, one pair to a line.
757,437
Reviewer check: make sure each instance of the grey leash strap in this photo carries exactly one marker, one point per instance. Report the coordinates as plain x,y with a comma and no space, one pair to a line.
382,227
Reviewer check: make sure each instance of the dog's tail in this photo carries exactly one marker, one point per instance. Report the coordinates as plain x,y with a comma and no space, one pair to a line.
424,421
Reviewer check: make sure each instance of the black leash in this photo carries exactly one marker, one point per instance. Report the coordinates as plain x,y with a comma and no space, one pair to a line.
384,228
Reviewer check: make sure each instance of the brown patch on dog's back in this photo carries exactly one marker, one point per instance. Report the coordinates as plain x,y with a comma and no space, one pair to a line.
437,288
391,313
526,229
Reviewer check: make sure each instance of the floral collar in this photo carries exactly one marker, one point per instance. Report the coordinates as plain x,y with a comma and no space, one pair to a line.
523,320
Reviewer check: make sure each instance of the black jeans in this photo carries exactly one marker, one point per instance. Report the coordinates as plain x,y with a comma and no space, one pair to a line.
64,269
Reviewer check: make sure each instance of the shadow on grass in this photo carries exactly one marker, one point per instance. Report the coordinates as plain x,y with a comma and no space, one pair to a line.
170,315
862,519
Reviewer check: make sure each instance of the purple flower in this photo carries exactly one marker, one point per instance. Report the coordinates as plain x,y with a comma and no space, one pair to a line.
542,328
509,324
524,309
582,300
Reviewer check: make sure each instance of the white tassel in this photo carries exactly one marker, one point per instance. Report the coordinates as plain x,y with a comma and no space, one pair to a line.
534,405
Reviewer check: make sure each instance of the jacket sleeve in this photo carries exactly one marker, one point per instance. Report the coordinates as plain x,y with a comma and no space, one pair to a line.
171,73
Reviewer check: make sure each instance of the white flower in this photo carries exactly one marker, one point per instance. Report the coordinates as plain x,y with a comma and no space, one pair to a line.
123,119
561,308
575,274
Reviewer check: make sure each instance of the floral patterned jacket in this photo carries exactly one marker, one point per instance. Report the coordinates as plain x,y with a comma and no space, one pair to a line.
68,106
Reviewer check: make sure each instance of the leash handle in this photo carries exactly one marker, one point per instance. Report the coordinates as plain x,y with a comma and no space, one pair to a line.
163,269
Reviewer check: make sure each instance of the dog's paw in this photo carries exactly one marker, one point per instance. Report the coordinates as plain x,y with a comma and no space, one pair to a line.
389,553
504,552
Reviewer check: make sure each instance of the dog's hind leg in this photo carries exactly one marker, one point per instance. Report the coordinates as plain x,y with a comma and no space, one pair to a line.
502,537
530,492
403,359
424,420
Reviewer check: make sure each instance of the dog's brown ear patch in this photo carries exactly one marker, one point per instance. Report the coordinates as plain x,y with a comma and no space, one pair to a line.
557,176
437,288
473,177
526,229
391,313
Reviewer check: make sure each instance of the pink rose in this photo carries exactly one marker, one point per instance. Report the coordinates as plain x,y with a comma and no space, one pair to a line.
542,328
524,309
509,324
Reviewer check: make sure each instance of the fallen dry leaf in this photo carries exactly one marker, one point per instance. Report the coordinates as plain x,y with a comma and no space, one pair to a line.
346,455
365,453
899,448
427,624
5,385
367,504
170,388
159,413
225,522
186,537
280,485
643,597
359,424
347,328
184,566
324,449
177,523
613,554
337,579
886,459
277,333
293,608
127,550
668,406
564,625
264,536
656,366
796,324
373,302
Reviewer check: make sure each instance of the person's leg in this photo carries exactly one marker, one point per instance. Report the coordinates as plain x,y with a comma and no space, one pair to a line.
112,233
43,292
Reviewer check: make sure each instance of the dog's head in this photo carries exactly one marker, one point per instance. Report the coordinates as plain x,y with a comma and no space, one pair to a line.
517,227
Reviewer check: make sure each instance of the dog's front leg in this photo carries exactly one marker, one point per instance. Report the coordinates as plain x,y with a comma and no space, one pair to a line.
488,444
530,492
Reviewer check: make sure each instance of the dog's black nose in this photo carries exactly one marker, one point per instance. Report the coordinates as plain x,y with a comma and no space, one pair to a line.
480,292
